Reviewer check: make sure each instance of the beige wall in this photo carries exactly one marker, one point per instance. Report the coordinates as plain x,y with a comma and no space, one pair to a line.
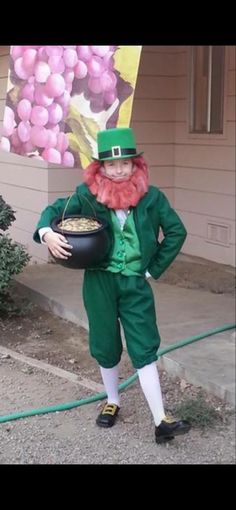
153,114
196,172
29,187
204,177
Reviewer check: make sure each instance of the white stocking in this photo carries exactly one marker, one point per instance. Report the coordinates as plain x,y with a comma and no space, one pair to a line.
150,384
110,381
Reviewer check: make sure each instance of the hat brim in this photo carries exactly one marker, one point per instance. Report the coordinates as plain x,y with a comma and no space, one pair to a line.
125,156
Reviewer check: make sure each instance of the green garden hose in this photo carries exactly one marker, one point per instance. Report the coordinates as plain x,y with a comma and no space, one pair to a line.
122,386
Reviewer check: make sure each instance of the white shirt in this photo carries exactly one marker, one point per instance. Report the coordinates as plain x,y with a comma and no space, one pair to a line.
43,231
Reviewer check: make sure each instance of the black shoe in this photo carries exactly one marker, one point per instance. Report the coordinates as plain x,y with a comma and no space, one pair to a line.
169,428
108,415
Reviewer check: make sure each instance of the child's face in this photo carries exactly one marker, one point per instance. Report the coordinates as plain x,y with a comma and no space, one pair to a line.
119,169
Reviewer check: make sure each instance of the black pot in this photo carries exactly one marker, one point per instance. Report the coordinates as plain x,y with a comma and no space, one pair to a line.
89,248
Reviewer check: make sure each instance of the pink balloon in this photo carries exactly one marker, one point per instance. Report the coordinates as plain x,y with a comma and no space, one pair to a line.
15,140
68,87
80,69
16,52
84,53
24,109
42,54
55,113
70,57
28,92
40,97
110,96
20,69
53,127
108,80
28,147
5,144
29,58
65,110
62,142
68,76
95,67
42,72
39,136
55,85
94,84
100,51
68,159
52,139
64,99
39,116
108,60
16,150
9,112
54,51
56,64
8,122
23,130
52,156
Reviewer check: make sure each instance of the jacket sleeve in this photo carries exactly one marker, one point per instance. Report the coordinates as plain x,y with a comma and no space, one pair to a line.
56,209
174,233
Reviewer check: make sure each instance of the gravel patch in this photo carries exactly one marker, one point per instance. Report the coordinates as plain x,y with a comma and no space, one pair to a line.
72,437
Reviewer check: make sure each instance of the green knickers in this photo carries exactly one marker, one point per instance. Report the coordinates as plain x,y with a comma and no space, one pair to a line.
111,298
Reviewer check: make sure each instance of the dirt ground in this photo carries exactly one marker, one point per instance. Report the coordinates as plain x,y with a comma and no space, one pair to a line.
44,336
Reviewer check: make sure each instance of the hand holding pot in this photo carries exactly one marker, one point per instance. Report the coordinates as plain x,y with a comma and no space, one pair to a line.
56,244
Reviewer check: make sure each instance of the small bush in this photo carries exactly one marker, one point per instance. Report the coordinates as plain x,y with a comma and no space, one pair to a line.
197,411
13,257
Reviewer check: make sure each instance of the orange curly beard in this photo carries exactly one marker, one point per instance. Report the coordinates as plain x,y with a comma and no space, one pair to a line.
118,195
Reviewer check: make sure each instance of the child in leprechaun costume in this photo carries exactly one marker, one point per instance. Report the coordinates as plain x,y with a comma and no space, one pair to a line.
117,291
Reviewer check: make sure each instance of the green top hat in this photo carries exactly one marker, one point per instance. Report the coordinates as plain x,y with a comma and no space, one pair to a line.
116,143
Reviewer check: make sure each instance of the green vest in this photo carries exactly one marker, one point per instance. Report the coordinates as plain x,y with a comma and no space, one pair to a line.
126,255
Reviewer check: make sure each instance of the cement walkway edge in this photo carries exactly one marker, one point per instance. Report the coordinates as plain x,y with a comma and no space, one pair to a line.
181,313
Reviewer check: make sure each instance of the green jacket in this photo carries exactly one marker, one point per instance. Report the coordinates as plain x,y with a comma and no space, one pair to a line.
152,213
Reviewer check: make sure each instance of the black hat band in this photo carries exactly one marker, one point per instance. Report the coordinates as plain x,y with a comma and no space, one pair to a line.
116,152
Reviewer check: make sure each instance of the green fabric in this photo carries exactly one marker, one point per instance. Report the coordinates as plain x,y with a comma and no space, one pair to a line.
108,296
126,255
152,213
123,138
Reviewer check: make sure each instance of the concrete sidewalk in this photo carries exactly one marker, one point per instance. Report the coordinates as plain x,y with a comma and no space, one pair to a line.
181,312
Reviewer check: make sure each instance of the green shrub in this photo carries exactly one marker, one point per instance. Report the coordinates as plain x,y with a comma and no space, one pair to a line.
199,412
13,257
